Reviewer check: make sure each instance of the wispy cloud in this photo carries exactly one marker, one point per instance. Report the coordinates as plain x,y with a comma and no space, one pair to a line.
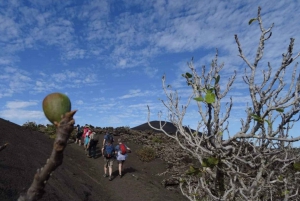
19,104
137,93
109,56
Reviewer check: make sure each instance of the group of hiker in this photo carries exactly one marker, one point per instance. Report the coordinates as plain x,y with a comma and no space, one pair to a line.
109,151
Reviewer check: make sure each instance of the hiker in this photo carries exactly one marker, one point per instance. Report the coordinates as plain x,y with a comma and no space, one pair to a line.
122,155
108,151
79,133
108,136
85,129
93,141
87,138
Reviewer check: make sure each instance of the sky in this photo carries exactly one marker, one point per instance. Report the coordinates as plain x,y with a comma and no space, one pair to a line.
109,56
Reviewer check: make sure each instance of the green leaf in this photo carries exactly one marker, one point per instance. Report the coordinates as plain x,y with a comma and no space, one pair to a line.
188,75
280,110
213,161
210,162
252,20
280,178
204,163
296,166
217,79
199,99
193,171
257,118
211,90
269,123
210,97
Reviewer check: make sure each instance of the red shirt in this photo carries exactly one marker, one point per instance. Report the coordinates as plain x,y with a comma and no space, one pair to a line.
85,130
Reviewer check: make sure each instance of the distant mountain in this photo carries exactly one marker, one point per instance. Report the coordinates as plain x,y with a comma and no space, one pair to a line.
169,127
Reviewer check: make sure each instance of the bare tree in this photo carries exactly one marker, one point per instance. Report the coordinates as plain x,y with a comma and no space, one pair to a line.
256,163
63,131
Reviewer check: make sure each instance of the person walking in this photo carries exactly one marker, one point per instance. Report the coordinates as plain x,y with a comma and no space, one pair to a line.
79,133
92,144
87,139
121,150
108,152
85,130
108,136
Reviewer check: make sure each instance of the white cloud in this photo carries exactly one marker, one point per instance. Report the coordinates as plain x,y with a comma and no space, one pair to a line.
15,111
19,104
21,116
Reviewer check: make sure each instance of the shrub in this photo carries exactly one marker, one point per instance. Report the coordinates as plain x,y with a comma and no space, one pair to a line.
146,154
50,129
31,125
157,139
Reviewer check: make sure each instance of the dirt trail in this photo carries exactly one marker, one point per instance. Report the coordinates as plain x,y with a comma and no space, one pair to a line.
78,178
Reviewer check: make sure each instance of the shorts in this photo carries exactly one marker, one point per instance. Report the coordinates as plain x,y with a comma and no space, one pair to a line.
121,162
108,162
78,136
121,157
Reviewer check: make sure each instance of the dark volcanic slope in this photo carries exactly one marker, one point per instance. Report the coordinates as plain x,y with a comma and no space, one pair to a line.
169,127
79,178
27,151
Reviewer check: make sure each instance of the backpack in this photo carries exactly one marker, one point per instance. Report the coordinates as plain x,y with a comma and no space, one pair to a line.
123,149
95,136
80,130
109,151
109,137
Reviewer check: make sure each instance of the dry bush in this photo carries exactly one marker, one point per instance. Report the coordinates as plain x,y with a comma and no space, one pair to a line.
257,162
146,154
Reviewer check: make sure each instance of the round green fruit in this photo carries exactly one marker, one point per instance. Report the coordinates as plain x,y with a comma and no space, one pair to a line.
55,105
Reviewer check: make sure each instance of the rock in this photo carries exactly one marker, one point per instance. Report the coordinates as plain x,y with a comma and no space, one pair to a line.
170,182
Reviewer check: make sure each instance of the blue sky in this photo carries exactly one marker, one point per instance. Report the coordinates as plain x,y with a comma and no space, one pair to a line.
109,56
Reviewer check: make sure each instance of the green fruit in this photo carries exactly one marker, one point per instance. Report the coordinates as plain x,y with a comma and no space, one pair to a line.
55,105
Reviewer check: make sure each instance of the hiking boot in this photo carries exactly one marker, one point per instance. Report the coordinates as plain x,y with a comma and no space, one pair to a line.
120,176
110,178
105,175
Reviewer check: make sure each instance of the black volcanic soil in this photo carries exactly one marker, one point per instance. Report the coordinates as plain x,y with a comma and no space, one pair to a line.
78,178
